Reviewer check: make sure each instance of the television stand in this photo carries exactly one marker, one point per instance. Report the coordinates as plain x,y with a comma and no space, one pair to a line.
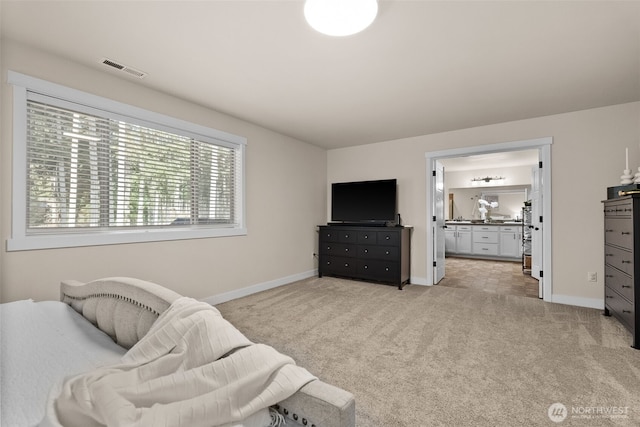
377,254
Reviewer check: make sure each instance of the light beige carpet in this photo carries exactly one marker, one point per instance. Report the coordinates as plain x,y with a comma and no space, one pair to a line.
438,356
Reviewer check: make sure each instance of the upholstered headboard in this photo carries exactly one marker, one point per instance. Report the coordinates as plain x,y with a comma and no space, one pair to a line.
122,307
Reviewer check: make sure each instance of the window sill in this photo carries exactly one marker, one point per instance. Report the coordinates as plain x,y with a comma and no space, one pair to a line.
58,241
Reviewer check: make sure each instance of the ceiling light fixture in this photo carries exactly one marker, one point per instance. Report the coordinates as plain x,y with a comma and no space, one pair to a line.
340,17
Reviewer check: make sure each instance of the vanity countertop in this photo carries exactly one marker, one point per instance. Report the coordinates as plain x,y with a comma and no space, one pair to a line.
483,223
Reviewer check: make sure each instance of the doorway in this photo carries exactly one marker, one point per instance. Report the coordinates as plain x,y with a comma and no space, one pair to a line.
435,216
486,275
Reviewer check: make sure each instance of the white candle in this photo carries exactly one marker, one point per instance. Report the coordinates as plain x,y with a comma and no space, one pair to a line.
627,158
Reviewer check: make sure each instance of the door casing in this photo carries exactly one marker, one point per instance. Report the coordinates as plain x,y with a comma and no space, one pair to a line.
543,145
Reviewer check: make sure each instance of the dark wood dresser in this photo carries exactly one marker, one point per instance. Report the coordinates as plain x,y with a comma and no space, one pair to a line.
380,254
622,263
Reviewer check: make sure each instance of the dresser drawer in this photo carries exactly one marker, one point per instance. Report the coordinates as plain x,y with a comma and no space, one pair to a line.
378,252
485,237
618,208
338,249
338,265
347,236
620,308
379,270
390,238
618,232
619,282
485,248
367,237
328,234
619,258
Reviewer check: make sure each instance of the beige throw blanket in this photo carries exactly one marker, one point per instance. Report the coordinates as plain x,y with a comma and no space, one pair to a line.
192,369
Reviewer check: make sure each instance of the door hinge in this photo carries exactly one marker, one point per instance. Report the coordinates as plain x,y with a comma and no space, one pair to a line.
434,263
541,273
541,219
434,217
434,173
540,165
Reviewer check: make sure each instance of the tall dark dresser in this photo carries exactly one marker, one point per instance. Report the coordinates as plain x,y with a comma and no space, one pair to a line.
622,262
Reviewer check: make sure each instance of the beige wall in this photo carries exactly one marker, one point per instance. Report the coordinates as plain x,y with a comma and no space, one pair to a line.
285,200
587,156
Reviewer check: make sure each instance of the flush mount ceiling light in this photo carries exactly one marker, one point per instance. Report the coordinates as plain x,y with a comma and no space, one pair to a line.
340,17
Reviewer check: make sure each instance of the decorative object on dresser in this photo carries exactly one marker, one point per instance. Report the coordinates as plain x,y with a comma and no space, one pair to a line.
621,261
380,254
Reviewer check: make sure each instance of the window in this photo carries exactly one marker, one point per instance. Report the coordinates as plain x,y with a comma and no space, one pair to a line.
90,171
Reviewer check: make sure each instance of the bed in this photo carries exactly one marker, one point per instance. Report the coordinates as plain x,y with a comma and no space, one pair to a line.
62,361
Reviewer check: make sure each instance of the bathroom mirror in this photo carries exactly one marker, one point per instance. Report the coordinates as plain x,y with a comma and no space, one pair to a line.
463,202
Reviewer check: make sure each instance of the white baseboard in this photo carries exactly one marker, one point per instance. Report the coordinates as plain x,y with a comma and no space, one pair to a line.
249,290
421,281
578,301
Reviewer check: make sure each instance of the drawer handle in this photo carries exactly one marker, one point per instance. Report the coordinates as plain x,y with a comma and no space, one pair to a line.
626,232
366,251
626,262
346,236
608,254
485,249
387,237
386,269
485,237
328,248
366,236
609,276
346,264
626,286
346,249
626,311
608,231
366,266
386,252
608,296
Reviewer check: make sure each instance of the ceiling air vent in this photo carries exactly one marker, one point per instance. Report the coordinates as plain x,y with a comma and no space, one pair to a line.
124,68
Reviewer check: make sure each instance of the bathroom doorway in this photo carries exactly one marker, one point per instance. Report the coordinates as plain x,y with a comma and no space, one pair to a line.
541,188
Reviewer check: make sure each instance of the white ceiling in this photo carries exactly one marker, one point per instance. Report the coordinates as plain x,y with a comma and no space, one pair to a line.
423,66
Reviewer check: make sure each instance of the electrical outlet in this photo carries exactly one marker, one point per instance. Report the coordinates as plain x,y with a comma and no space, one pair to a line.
592,276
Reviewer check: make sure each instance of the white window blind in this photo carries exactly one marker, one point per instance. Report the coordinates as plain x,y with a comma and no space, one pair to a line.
92,171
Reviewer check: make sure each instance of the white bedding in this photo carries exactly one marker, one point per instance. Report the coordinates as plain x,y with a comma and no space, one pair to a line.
192,369
41,344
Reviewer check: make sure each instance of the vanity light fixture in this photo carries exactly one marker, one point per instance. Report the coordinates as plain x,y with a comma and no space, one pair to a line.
488,180
340,17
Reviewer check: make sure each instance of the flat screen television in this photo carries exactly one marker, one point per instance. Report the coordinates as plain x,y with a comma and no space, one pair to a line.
364,202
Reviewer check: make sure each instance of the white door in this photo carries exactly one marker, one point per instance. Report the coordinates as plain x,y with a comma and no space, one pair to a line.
438,224
536,228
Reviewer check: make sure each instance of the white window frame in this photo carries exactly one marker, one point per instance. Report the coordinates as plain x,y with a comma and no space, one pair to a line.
20,240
